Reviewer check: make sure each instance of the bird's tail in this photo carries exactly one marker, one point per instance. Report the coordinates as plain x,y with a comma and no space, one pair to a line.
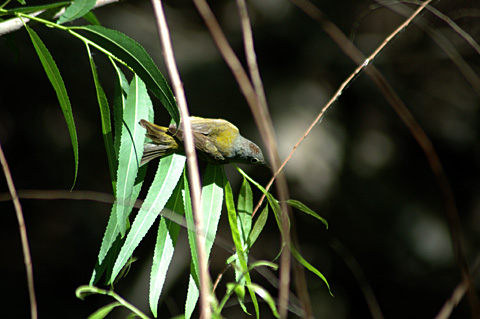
163,143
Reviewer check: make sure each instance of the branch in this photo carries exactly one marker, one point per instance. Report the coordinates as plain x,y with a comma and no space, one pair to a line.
15,24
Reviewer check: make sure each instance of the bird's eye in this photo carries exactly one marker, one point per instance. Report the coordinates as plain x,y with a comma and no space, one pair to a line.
254,160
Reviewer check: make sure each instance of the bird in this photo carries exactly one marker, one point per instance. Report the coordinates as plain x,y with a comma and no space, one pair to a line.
217,142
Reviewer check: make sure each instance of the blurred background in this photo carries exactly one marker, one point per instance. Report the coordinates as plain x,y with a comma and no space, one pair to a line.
360,168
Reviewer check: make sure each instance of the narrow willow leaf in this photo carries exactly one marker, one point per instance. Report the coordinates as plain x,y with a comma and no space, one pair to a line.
263,293
56,80
164,248
27,9
245,210
302,207
264,263
192,293
76,10
112,240
307,265
168,173
92,18
193,282
135,56
131,149
243,271
119,99
104,311
258,227
212,200
106,122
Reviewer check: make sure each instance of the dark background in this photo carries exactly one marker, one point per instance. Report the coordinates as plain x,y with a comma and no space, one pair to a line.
360,168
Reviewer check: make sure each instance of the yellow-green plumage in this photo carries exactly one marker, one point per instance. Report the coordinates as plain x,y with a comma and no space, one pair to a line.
217,141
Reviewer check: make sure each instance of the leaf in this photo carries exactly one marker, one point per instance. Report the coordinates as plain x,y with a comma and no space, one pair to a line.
243,275
92,18
26,9
106,122
212,200
76,10
120,94
135,56
245,210
302,207
169,170
164,248
112,241
56,80
307,265
258,227
104,311
193,282
263,293
131,149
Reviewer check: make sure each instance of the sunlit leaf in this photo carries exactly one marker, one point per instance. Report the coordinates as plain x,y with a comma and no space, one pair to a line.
76,10
56,80
168,173
135,56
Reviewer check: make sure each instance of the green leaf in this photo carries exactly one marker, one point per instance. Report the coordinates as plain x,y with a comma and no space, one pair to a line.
112,241
302,207
243,275
169,170
104,311
26,9
56,80
307,265
258,227
131,149
193,282
92,18
120,95
76,10
212,200
263,293
164,248
245,210
106,122
135,56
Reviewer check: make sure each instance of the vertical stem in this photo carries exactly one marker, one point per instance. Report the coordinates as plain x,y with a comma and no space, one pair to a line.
23,234
193,171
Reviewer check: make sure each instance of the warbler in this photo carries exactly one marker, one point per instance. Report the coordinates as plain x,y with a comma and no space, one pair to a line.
217,141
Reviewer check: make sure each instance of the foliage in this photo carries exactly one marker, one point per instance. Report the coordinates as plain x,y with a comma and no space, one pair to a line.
168,198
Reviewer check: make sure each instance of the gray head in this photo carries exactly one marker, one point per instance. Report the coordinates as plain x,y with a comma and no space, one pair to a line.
247,152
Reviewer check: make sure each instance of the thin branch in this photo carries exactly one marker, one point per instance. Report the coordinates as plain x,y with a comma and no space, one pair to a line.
15,24
457,295
23,234
193,171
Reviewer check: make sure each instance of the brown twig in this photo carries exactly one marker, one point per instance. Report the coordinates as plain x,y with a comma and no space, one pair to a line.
15,24
23,234
193,171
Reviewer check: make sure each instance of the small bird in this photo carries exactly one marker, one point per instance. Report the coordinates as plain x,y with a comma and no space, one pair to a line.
217,141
